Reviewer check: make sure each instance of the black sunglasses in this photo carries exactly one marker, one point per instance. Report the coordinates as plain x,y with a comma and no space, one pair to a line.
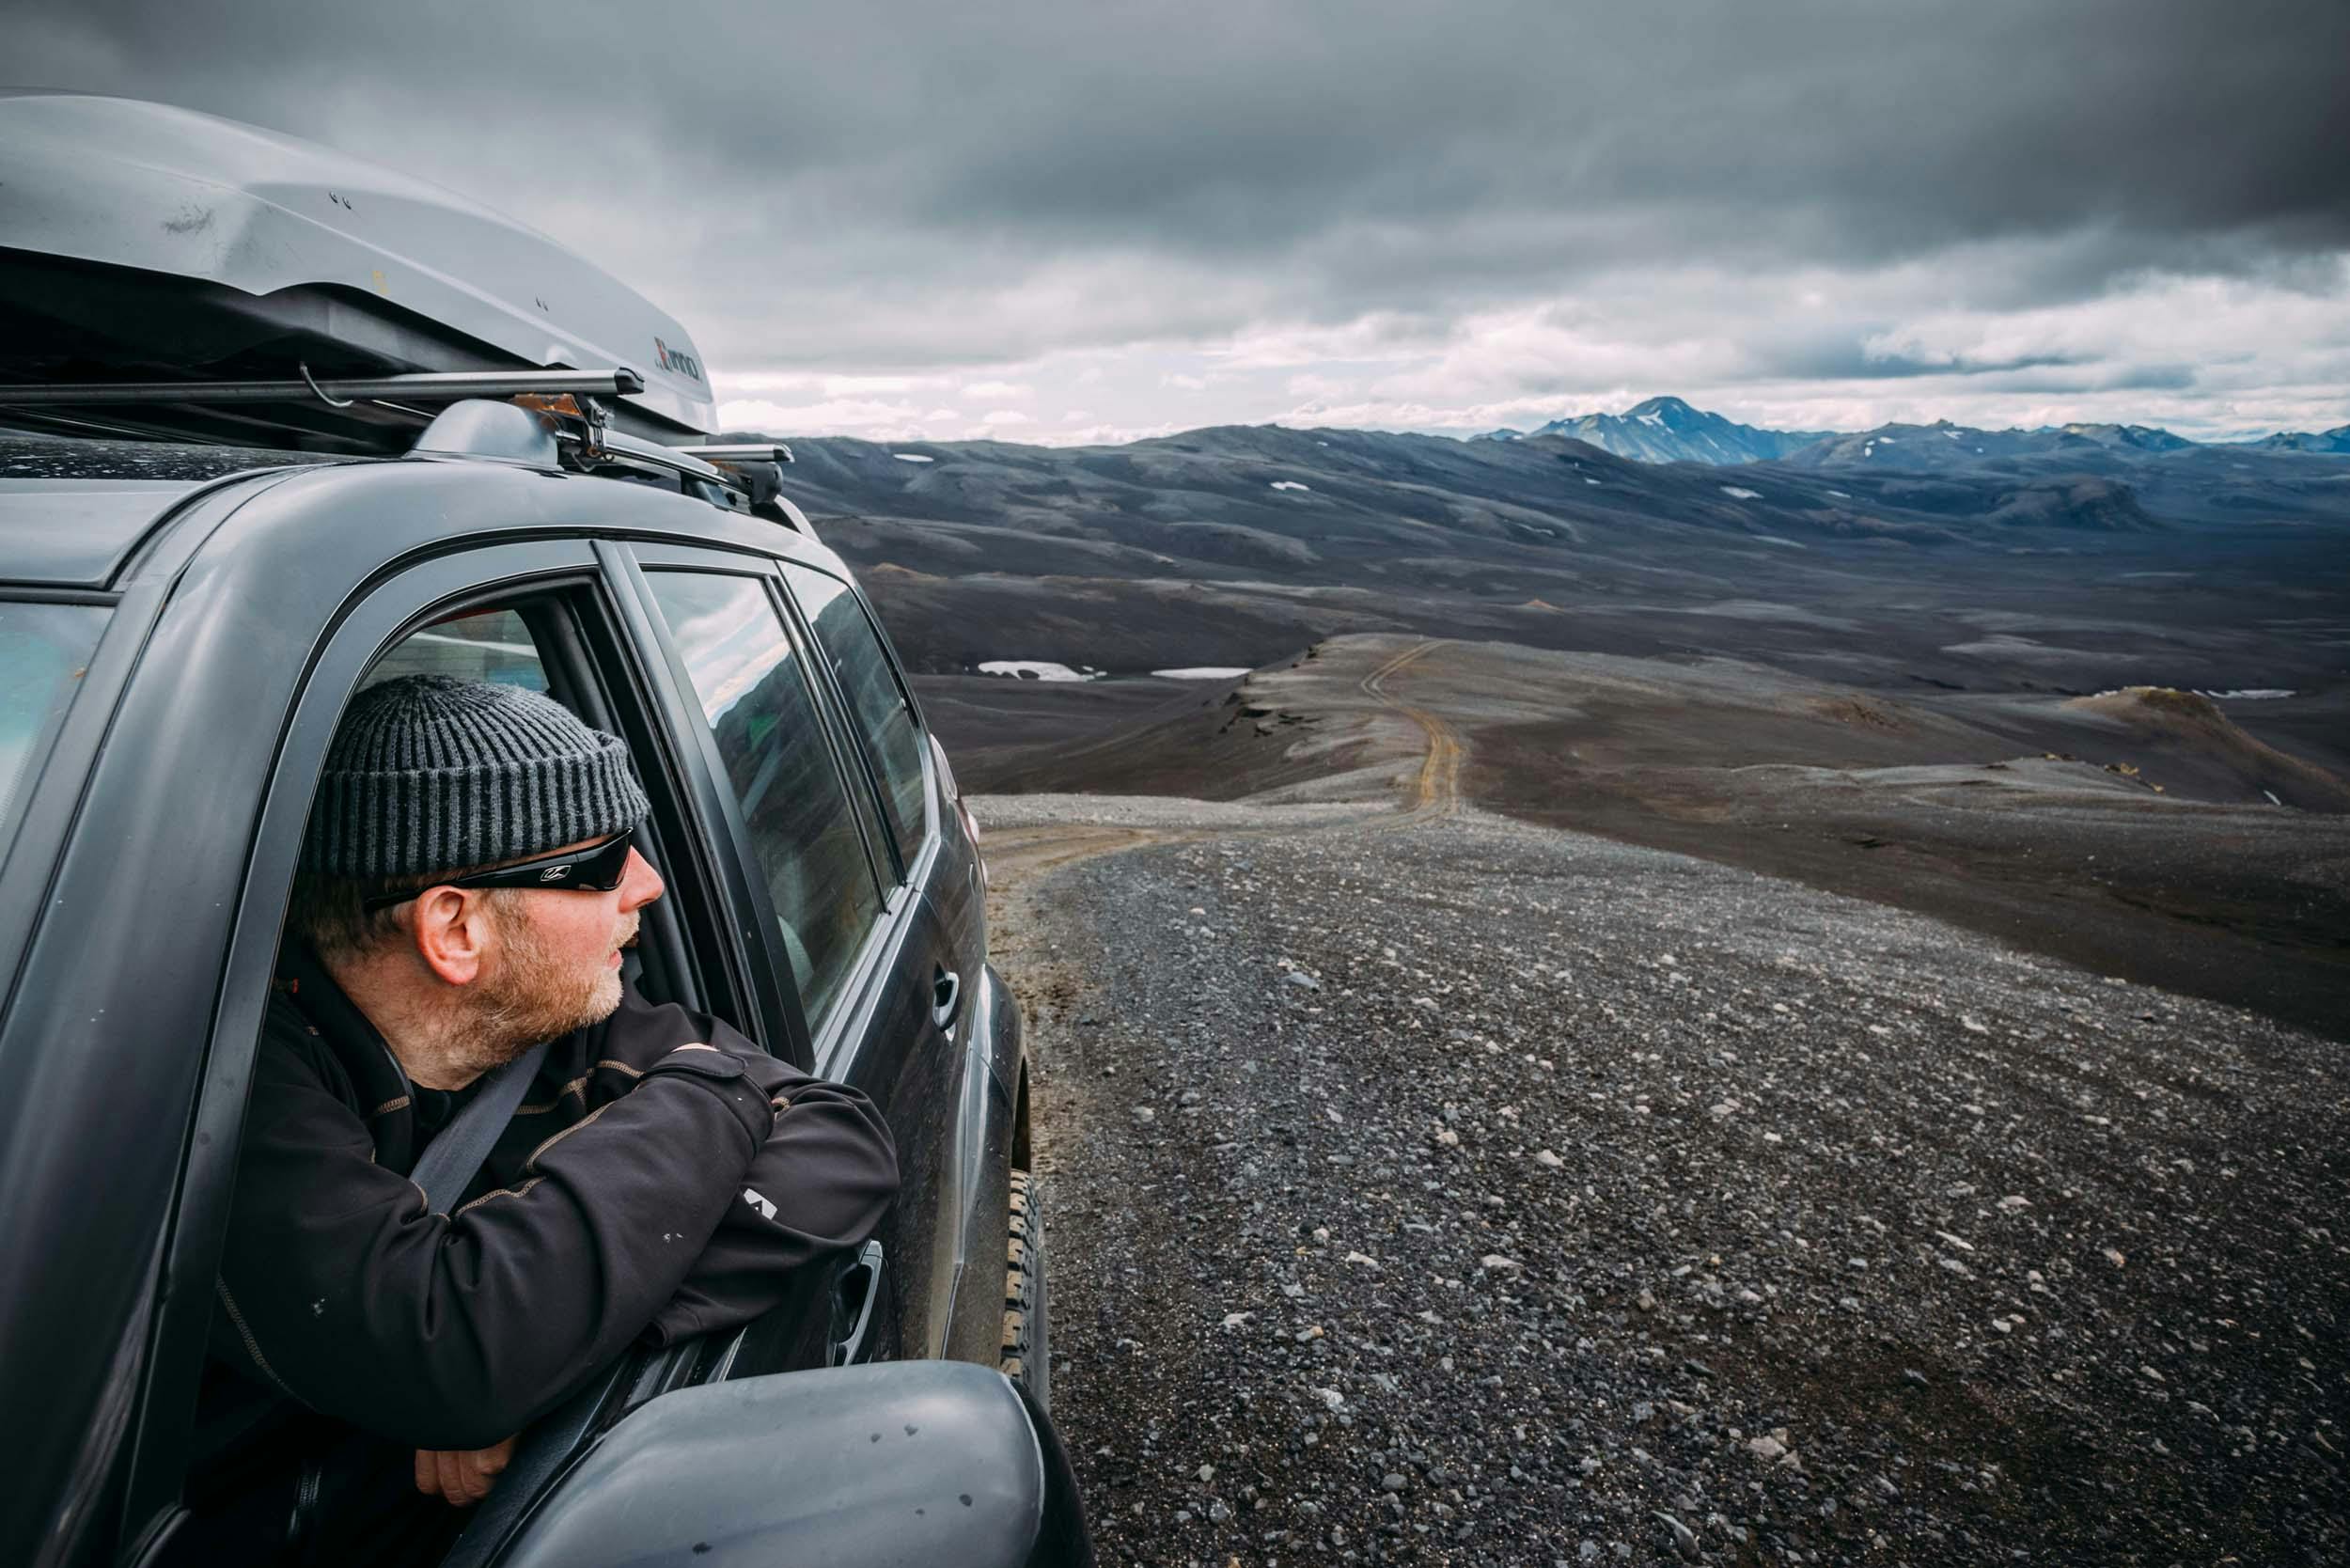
597,868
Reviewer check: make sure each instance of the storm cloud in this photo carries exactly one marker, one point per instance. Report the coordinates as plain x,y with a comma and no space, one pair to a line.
1145,215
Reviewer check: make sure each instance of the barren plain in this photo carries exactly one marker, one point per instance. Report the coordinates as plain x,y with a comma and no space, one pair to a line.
1429,1186
1664,1021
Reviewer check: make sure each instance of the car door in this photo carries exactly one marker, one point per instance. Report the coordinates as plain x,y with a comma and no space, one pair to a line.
965,1142
851,936
537,614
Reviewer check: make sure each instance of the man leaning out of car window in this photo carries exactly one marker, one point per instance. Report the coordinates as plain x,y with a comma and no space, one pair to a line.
661,1177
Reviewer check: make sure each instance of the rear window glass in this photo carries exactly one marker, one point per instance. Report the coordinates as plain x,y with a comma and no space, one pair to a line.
858,662
44,650
755,693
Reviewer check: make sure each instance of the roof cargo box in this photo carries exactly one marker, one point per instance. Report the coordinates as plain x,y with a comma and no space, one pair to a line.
144,243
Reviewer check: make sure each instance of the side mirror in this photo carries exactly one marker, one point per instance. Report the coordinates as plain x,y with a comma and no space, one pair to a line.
902,1461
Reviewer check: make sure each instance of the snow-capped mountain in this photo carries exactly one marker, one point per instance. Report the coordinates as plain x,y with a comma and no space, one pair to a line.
1665,429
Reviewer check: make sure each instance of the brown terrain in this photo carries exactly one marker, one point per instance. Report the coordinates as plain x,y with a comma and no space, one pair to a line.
2141,833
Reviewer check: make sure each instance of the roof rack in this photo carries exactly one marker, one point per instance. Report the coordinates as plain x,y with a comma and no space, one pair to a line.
617,447
421,387
534,418
571,432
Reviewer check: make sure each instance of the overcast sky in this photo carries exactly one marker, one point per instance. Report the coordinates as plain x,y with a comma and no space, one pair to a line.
1099,220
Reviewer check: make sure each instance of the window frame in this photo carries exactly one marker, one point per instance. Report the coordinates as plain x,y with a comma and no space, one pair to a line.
913,869
819,1039
587,655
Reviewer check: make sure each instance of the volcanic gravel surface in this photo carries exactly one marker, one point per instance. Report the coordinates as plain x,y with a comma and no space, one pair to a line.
1457,1191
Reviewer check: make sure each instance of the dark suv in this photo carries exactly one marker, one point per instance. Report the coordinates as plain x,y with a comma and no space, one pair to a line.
181,627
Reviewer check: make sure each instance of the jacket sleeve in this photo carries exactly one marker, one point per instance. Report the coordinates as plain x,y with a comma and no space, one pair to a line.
456,1331
820,1184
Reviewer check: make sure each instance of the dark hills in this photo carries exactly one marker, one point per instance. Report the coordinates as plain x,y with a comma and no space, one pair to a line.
1944,446
2065,566
2335,441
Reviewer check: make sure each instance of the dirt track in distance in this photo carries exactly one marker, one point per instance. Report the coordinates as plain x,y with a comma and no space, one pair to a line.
2043,824
1437,788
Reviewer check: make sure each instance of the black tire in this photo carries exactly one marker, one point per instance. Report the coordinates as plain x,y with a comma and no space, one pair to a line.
1026,1357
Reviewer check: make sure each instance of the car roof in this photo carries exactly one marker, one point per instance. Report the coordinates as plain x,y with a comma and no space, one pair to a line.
74,533
75,513
71,510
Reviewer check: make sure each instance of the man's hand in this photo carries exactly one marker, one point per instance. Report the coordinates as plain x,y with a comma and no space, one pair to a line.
460,1476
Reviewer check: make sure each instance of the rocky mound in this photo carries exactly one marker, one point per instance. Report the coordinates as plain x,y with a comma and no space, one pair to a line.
2191,728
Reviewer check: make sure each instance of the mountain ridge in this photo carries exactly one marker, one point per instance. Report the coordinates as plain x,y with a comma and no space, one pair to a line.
1669,430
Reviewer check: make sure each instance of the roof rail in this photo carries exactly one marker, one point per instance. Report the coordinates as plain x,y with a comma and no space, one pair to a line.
429,386
760,452
615,447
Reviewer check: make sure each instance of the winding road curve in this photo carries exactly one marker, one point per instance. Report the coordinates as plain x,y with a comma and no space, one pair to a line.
1436,792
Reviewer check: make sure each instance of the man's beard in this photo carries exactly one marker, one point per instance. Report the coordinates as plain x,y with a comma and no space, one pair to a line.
535,997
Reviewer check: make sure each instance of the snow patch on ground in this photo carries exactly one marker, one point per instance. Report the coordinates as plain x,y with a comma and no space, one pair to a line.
1202,672
2247,693
1740,493
1656,419
1035,669
1841,494
1289,484
912,457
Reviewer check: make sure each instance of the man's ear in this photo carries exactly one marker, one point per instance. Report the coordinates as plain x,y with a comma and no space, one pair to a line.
451,930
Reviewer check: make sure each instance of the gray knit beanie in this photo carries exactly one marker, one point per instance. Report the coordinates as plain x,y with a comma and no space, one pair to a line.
429,773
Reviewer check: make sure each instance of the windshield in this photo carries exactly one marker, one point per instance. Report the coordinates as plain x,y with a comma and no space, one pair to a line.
45,649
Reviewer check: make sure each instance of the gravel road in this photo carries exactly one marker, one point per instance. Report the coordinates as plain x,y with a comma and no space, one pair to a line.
1442,1189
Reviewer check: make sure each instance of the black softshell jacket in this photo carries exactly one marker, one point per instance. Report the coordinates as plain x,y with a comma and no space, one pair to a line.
639,1191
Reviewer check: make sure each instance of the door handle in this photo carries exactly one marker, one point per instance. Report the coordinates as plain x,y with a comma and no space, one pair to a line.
859,1282
946,997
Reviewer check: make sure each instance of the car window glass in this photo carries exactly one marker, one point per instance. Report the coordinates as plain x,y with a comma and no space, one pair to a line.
754,692
43,652
488,644
877,703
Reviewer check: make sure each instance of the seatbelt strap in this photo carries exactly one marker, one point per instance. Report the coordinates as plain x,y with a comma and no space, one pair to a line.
450,1160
